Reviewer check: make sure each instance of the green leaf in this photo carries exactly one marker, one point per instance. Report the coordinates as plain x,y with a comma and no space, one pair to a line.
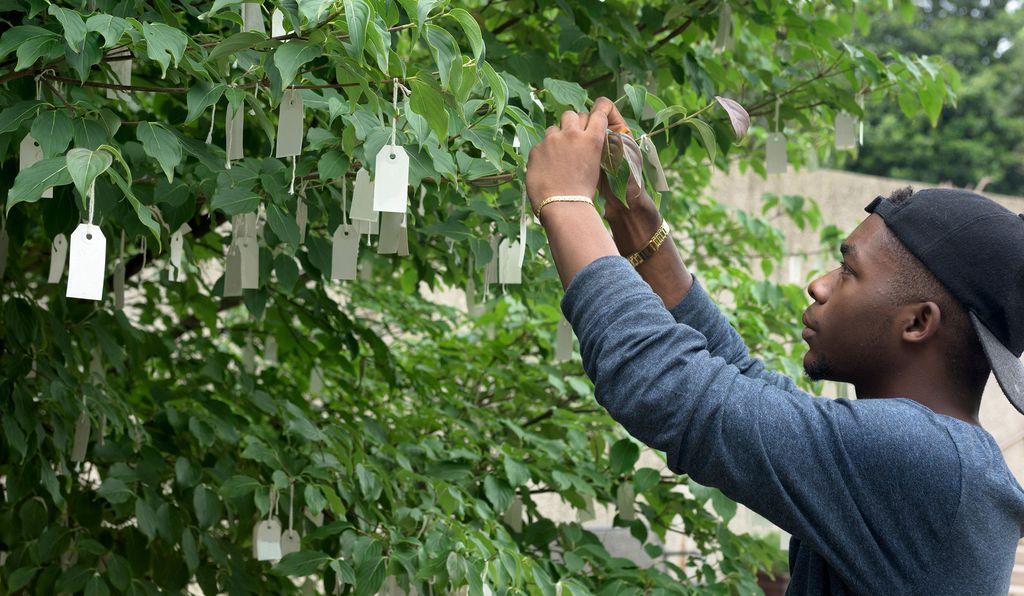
314,10
238,41
446,55
499,89
161,144
232,201
707,137
31,50
143,212
471,29
115,491
21,578
219,4
189,549
96,587
15,37
637,99
207,506
567,94
12,117
428,102
315,499
645,478
74,26
624,454
31,182
109,26
518,474
85,165
283,224
146,518
932,95
238,486
304,562
53,131
201,96
723,505
290,56
357,15
164,44
498,492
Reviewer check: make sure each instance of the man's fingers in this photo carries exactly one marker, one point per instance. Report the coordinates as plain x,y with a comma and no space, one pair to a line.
607,107
584,118
597,123
570,120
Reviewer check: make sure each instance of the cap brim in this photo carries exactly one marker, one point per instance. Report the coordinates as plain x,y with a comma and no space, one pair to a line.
1008,369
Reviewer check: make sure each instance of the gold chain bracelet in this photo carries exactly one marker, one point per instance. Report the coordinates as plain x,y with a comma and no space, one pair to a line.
652,247
562,199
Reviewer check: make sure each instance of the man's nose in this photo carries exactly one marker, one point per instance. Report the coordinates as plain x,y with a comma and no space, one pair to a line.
819,289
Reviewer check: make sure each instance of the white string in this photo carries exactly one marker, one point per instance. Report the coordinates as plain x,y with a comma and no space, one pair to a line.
778,104
213,118
344,200
229,126
91,197
291,189
291,504
394,106
121,258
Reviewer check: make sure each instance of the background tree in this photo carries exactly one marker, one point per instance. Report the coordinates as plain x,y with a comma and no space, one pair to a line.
977,141
421,434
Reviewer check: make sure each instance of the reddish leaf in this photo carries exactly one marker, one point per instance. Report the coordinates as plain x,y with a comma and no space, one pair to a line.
737,115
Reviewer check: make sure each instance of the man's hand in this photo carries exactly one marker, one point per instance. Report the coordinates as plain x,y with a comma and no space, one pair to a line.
568,160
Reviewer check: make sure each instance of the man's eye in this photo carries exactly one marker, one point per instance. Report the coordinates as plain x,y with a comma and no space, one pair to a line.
844,267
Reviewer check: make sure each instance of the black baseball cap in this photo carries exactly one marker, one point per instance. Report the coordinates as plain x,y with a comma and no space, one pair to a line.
975,248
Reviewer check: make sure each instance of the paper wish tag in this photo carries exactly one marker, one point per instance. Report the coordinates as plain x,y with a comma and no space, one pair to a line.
30,152
291,542
270,349
775,154
252,17
491,270
234,121
80,443
88,252
362,199
301,219
290,125
391,180
250,262
233,272
624,501
846,131
563,341
277,24
390,228
58,258
724,39
177,247
317,520
119,285
514,515
509,271
403,237
268,540
121,69
345,252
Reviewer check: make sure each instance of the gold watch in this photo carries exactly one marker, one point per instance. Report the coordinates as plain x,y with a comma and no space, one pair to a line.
652,247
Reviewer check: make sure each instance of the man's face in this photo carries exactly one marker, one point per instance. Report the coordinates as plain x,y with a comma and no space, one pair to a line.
848,327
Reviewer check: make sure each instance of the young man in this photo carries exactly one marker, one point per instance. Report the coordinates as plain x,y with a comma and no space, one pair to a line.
898,492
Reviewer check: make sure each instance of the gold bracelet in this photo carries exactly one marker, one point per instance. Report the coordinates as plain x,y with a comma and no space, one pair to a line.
652,247
562,199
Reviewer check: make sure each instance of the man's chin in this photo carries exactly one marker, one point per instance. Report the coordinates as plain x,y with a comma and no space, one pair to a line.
817,367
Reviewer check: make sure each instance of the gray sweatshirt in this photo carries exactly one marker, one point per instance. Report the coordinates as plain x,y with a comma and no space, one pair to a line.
881,496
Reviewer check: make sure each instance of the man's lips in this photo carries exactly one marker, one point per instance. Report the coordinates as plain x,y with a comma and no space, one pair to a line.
808,328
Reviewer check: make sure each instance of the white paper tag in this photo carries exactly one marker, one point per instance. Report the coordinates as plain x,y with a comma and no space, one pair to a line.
290,125
119,286
362,198
58,258
88,252
252,17
80,443
366,271
391,180
514,515
270,349
508,262
316,381
248,356
516,144
177,247
775,159
724,37
317,520
563,341
121,69
650,151
522,239
234,121
233,272
291,542
624,501
491,271
301,219
250,251
345,252
30,152
846,131
69,558
403,237
390,225
277,24
268,540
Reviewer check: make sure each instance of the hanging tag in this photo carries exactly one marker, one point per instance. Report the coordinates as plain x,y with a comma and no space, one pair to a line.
58,258
563,341
724,38
121,69
362,198
250,257
533,96
391,181
587,513
252,17
80,443
316,381
177,245
516,144
846,131
234,120
775,154
508,262
366,271
370,228
30,152
69,558
513,517
317,520
491,271
270,350
248,356
390,226
301,219
624,501
88,259
650,151
268,540
403,237
290,125
277,24
233,272
119,286
345,252
291,542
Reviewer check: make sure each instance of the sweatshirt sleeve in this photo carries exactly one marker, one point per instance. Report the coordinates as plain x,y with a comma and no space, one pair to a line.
827,471
697,310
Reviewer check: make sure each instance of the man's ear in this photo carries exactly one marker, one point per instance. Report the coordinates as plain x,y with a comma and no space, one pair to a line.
920,321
